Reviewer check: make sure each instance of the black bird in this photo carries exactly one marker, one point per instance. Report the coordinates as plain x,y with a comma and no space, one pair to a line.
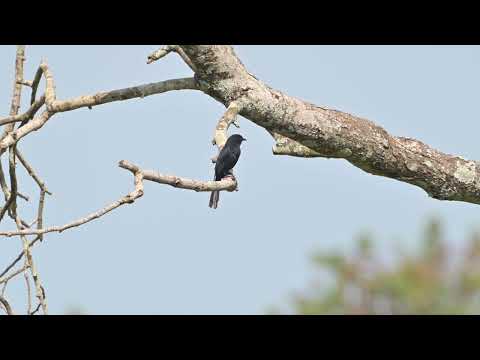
226,160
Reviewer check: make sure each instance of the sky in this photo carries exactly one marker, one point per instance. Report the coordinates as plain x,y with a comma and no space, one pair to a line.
169,253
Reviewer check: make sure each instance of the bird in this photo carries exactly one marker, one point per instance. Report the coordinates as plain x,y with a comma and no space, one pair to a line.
226,160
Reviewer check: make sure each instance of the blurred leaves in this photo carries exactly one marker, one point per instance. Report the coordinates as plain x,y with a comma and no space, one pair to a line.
433,281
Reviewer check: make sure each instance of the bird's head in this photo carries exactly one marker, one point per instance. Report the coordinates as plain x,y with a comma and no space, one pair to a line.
236,139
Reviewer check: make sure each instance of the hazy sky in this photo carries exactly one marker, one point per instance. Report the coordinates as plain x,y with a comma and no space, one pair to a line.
169,253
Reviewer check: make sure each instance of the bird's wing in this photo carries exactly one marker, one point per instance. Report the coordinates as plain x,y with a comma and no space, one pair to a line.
225,162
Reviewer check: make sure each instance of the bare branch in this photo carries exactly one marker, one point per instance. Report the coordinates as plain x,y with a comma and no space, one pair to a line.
6,305
178,182
29,293
3,183
25,83
41,203
50,85
220,136
50,95
36,309
11,202
31,172
17,88
160,53
93,100
12,275
26,115
15,106
39,290
127,199
140,91
34,124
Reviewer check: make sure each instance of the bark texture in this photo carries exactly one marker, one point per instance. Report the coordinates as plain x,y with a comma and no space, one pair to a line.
304,129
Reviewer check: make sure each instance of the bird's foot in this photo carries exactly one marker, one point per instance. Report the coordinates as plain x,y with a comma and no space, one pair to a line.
231,176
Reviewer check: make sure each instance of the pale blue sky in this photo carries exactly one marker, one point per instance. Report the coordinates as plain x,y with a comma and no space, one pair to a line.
169,253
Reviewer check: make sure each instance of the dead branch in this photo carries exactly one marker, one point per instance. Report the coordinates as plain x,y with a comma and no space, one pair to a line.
127,199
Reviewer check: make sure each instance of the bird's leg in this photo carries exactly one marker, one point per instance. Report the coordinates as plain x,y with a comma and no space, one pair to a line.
231,176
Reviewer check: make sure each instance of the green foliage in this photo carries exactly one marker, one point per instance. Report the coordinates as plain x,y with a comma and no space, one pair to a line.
431,282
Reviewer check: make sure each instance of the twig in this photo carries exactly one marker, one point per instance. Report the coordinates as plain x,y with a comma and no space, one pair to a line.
39,290
41,203
6,305
17,88
35,82
25,83
160,53
3,183
12,275
11,202
17,259
31,172
36,309
29,293
27,115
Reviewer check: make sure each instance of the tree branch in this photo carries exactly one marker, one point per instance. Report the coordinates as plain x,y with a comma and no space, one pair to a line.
26,115
31,172
140,91
160,53
229,117
304,129
127,199
6,305
12,275
178,182
54,106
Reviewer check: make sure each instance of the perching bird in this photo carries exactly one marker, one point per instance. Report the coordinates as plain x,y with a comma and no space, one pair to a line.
226,160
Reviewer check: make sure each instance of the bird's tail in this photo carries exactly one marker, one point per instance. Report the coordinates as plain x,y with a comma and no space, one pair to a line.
214,197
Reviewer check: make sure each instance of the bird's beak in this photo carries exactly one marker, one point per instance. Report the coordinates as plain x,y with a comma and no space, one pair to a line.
244,139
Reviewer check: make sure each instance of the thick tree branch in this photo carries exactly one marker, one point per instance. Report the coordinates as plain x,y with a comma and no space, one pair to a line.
285,146
316,131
